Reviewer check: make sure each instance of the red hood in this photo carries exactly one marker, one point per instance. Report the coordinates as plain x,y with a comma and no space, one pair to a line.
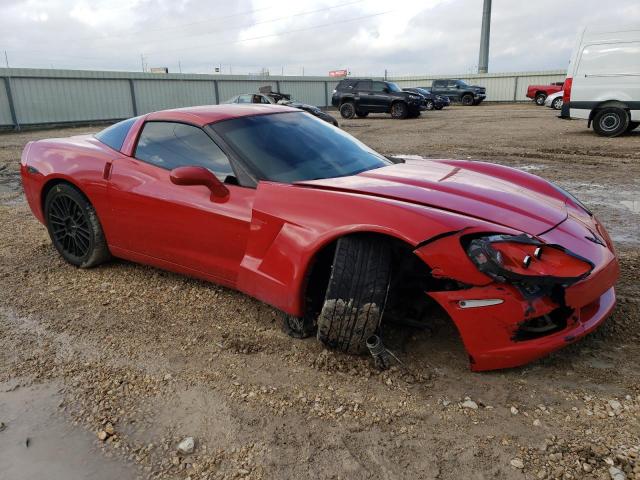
498,194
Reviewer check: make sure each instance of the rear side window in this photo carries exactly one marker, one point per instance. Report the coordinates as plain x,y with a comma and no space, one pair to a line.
364,85
439,83
114,135
170,145
613,58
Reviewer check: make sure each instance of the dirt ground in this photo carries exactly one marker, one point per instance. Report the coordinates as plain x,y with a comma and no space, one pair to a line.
104,371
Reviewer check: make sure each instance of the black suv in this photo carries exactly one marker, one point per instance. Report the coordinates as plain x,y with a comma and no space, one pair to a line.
459,91
360,97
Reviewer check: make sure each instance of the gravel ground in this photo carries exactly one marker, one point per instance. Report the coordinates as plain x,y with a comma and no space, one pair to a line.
107,370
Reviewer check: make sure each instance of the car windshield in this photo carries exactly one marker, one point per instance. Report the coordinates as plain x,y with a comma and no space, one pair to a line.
295,146
393,87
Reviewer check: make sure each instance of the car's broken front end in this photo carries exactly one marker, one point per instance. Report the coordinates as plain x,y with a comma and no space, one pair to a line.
524,296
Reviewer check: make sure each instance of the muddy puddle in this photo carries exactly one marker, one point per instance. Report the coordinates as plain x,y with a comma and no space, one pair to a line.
37,443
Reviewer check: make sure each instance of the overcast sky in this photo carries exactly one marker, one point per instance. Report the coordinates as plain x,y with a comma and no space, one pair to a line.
244,36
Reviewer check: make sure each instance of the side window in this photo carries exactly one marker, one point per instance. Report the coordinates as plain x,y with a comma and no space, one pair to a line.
452,83
264,99
437,84
378,86
169,145
364,85
114,135
618,58
245,98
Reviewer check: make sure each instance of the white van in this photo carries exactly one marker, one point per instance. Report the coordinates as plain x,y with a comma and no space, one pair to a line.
603,80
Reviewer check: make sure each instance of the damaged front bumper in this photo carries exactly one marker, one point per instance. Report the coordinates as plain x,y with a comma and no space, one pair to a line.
503,325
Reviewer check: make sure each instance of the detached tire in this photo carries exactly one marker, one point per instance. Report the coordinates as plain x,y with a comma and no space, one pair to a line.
356,293
74,227
540,98
611,122
347,110
399,110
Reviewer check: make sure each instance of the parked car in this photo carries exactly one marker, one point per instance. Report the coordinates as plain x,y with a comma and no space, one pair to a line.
277,204
554,100
277,98
603,80
431,101
358,97
539,93
459,91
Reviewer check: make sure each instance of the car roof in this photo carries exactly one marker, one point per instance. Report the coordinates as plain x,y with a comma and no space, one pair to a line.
206,114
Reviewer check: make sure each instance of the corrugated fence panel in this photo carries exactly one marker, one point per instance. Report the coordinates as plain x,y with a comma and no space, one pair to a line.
49,100
152,95
5,110
50,96
231,88
307,92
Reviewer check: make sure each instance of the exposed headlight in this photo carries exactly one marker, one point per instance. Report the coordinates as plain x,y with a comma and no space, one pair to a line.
526,260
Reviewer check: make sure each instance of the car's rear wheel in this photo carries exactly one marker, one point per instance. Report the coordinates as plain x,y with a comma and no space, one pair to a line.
429,105
556,104
632,126
540,98
362,114
347,110
610,121
399,110
356,293
467,100
74,227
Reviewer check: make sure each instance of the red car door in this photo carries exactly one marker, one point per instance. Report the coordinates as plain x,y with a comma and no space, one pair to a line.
154,219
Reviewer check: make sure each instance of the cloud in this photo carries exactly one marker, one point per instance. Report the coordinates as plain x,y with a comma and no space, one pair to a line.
366,36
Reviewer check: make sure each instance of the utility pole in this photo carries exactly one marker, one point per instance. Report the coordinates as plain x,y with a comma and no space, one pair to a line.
483,61
142,61
179,66
6,58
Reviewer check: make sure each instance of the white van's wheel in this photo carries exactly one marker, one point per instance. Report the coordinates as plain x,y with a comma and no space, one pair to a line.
610,122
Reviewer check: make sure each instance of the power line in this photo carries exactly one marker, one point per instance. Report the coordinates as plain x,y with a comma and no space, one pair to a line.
238,27
287,32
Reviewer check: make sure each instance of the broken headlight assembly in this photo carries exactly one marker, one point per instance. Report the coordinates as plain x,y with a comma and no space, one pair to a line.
524,260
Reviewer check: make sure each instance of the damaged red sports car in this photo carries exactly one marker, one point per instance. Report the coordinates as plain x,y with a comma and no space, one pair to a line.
297,213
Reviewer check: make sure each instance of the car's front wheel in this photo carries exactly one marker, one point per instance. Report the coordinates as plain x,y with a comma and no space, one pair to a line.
399,110
610,121
540,98
467,100
356,294
347,110
556,104
74,227
429,105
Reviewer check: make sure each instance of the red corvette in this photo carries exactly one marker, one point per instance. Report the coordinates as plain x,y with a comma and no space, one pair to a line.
297,213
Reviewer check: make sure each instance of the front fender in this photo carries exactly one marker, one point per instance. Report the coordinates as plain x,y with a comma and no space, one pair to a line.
292,223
